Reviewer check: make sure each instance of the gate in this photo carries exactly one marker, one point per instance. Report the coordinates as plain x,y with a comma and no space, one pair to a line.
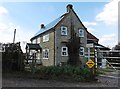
108,59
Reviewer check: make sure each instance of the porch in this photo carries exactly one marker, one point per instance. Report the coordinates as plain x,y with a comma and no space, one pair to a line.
33,55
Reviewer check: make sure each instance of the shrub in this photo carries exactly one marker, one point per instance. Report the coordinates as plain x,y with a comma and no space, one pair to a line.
75,73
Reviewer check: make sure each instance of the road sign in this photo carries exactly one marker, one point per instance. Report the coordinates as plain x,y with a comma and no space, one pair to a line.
90,63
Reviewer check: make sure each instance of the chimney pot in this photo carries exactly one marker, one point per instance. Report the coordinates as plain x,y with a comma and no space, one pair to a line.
69,6
42,26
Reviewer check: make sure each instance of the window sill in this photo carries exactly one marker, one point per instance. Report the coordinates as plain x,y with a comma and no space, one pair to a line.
45,58
45,41
64,35
64,55
81,36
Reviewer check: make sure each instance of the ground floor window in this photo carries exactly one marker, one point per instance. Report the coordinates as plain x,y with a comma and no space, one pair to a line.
64,51
45,53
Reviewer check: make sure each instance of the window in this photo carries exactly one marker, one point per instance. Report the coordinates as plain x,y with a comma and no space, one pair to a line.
38,40
45,53
46,38
63,30
64,51
81,51
81,33
34,41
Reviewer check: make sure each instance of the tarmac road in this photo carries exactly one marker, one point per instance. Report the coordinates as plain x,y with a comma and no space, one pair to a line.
103,81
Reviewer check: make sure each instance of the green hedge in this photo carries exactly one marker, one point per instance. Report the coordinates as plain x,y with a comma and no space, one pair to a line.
65,73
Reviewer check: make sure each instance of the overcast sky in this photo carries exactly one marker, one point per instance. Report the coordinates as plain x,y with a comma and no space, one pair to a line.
100,18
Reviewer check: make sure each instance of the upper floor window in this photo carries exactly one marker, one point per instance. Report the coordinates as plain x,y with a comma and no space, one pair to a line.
81,33
63,30
46,38
81,51
38,40
45,53
64,51
34,41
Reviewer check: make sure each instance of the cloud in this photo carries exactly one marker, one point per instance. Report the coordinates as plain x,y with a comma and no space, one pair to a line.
109,15
3,10
108,40
91,30
7,31
89,26
89,23
7,27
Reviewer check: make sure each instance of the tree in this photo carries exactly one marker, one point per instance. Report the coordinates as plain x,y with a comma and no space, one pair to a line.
12,58
73,49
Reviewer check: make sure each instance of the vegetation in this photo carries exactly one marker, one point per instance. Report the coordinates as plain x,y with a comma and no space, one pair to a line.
104,71
73,48
12,58
67,72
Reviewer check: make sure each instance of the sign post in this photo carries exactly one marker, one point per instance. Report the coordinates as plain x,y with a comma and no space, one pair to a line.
91,64
91,59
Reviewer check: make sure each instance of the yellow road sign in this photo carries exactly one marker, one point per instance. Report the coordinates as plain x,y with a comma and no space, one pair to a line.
90,63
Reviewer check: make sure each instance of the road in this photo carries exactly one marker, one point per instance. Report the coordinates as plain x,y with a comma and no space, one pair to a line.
103,81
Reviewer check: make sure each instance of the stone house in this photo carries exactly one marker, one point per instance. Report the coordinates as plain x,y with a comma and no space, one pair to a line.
53,37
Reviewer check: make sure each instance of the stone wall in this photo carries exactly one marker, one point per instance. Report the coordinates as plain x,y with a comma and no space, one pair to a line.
61,40
47,45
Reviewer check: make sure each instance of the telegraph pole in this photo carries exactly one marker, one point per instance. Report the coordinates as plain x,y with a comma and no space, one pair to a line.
14,36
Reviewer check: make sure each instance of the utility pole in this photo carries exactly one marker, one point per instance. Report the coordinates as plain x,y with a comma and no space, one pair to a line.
14,36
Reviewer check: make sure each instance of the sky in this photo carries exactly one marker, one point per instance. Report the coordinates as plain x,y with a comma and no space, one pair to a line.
100,18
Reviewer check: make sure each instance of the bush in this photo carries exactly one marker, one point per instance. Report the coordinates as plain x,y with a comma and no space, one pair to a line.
69,72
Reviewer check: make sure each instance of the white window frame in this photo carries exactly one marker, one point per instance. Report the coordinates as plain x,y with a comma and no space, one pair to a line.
63,30
45,55
66,51
83,51
81,33
38,40
34,41
46,38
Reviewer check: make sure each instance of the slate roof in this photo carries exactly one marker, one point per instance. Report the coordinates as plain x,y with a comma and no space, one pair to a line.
33,46
101,46
91,36
49,26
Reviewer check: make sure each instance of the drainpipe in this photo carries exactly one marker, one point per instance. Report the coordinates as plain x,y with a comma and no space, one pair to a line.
54,46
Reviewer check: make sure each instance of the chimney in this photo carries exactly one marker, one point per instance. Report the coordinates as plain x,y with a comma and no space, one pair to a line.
42,26
69,7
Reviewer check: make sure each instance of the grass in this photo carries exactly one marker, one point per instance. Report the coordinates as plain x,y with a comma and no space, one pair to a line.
103,71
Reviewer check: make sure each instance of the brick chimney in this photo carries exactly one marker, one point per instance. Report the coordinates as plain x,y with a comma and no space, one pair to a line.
42,26
69,7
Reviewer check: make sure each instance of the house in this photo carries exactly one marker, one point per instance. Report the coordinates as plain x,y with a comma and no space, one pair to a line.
53,38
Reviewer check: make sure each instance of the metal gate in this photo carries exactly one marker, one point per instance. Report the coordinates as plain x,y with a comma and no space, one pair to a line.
108,59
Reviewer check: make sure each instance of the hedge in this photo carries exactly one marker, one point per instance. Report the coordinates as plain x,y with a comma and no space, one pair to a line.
65,73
